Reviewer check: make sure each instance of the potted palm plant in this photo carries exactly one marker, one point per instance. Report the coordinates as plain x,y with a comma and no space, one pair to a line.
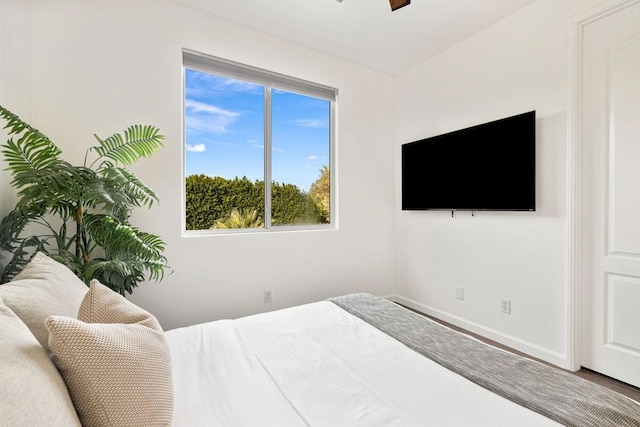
79,215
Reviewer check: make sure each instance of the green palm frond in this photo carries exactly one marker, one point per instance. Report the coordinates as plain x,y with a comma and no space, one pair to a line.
99,192
32,150
12,225
240,219
118,238
51,181
123,180
121,274
139,141
59,187
21,256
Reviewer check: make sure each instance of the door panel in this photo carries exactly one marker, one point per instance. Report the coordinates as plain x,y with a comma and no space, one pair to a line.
623,294
611,194
624,98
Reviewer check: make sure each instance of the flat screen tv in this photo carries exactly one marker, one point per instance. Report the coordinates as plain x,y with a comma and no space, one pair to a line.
482,168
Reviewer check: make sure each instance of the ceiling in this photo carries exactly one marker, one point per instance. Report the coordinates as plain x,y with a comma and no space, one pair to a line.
366,32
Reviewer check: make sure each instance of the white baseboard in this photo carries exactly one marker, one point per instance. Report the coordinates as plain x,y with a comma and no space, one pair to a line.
504,339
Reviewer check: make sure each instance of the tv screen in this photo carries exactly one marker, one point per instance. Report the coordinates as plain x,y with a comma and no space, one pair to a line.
485,167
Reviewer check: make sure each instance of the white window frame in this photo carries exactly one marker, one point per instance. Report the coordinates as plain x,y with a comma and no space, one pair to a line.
201,62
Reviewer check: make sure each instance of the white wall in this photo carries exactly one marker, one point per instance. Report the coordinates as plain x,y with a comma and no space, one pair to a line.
517,65
99,66
15,76
15,81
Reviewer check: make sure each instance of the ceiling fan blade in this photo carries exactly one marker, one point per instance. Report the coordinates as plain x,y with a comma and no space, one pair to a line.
397,4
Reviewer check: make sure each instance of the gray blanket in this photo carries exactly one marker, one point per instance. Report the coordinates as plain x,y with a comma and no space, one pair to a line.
561,396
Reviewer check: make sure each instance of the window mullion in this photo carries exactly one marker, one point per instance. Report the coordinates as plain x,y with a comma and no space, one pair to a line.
267,157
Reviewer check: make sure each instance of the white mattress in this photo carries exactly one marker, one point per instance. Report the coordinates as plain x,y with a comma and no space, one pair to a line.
318,365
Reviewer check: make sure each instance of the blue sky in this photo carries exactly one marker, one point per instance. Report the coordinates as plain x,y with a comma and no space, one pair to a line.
224,121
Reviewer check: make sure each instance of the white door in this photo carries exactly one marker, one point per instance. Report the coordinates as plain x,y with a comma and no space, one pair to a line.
611,193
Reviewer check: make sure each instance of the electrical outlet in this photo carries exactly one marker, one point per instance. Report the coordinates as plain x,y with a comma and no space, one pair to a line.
267,296
459,293
505,306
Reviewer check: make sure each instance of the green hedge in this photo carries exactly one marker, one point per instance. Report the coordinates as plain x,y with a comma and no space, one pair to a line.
211,198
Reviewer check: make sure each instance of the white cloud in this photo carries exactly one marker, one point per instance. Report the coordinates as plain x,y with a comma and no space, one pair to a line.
201,107
255,143
242,86
204,85
196,148
312,157
201,117
310,123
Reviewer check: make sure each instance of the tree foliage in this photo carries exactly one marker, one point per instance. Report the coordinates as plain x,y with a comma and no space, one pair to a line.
212,199
240,219
320,193
79,215
209,199
290,206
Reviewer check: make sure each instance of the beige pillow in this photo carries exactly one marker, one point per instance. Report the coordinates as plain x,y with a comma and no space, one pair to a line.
44,287
32,392
115,362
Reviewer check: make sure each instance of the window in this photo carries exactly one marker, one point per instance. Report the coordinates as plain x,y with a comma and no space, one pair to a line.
245,127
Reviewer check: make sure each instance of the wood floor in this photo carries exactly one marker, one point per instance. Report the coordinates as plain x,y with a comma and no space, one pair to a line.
613,384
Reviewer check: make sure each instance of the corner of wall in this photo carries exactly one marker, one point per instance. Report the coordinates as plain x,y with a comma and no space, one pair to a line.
524,346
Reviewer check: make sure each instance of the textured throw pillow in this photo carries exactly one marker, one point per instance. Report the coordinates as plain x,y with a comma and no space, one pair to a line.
44,287
32,392
115,362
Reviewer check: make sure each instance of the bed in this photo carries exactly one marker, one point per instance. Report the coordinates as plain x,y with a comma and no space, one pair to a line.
354,360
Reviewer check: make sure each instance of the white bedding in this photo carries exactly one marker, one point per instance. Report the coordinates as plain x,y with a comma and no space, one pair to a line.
318,365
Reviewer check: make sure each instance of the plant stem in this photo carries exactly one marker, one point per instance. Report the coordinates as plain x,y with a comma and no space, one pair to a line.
78,228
